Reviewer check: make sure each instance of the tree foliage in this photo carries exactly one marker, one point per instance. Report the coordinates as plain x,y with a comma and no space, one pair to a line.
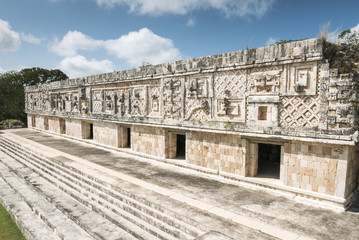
12,98
349,37
344,55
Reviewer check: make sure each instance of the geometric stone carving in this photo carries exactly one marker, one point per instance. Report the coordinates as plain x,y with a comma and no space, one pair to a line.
299,111
198,113
234,81
97,99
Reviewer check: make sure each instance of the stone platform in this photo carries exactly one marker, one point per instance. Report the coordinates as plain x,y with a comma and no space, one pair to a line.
60,189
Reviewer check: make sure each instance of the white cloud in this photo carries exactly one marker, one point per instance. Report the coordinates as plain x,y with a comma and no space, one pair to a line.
134,47
9,39
271,41
30,38
79,66
74,41
239,8
144,45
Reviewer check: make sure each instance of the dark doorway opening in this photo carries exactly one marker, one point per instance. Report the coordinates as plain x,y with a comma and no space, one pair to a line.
128,138
181,146
91,131
62,126
269,160
46,123
33,121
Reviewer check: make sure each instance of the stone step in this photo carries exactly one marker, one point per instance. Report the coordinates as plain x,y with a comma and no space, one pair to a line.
99,227
90,198
96,224
31,225
117,202
56,220
132,203
107,200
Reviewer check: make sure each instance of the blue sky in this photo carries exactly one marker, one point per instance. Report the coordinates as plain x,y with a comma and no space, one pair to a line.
85,37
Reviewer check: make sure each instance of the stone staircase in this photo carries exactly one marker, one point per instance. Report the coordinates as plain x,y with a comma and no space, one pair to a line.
75,205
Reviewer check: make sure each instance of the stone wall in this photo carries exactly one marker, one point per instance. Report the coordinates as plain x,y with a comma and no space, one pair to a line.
39,122
316,167
29,120
148,140
215,151
282,89
353,171
74,128
105,133
54,124
229,107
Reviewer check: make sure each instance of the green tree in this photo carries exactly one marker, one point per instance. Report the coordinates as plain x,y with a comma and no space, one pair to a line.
12,98
344,55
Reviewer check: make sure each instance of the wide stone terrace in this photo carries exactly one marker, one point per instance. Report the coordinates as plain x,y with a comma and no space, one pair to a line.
223,209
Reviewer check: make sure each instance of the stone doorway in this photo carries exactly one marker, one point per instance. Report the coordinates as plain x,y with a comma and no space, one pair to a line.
181,146
176,145
87,130
128,143
46,123
33,121
91,131
62,126
123,136
269,160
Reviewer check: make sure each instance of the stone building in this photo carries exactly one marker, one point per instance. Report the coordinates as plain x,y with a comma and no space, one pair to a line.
277,117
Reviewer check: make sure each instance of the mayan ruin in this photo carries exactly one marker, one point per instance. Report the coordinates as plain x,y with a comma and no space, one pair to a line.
278,117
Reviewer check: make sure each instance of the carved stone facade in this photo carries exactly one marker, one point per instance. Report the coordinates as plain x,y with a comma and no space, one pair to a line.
224,113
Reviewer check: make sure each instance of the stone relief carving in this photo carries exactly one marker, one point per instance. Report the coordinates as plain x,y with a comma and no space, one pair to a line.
75,102
299,111
197,101
197,88
97,101
121,103
110,101
221,95
172,98
235,81
230,89
203,107
264,82
154,101
302,79
137,102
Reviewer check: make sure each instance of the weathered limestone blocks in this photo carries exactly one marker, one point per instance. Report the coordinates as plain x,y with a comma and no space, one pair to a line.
215,151
105,133
147,140
280,112
74,128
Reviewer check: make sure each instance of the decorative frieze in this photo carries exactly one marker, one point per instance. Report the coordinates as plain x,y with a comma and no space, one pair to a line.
301,93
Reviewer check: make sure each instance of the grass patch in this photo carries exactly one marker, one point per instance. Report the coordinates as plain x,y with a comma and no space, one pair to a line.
8,228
